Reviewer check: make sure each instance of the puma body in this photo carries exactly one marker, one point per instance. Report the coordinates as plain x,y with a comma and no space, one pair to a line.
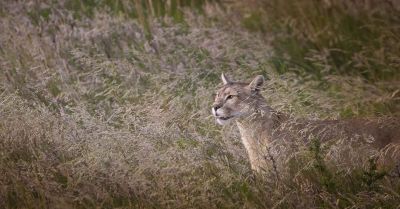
260,126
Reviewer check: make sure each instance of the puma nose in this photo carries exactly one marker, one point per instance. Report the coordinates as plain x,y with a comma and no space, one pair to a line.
215,108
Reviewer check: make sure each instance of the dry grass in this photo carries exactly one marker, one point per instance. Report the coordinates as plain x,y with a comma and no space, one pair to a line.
95,115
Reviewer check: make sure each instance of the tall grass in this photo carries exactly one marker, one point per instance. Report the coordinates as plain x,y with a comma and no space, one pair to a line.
325,39
95,114
332,37
142,10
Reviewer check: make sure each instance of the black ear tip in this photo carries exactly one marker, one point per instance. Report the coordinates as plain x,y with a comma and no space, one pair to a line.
264,76
259,79
257,82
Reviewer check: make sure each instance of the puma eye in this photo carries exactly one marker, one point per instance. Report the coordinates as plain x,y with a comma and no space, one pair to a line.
229,97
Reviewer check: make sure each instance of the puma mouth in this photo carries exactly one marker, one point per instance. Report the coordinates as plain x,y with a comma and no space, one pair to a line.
225,118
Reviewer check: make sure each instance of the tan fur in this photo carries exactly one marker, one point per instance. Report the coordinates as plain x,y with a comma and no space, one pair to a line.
260,125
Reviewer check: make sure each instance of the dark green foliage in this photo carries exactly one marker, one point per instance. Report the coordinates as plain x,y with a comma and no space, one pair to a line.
334,37
324,175
371,176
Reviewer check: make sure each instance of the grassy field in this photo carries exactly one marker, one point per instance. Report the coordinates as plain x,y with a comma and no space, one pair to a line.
106,104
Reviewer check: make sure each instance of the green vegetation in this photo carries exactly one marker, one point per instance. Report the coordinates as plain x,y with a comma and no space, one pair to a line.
106,104
333,37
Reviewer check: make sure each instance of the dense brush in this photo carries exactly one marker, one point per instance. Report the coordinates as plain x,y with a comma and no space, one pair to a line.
97,113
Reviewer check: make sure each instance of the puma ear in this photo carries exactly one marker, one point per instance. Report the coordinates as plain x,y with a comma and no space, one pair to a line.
257,82
225,80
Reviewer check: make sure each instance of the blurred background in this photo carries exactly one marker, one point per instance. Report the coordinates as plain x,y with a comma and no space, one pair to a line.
106,103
